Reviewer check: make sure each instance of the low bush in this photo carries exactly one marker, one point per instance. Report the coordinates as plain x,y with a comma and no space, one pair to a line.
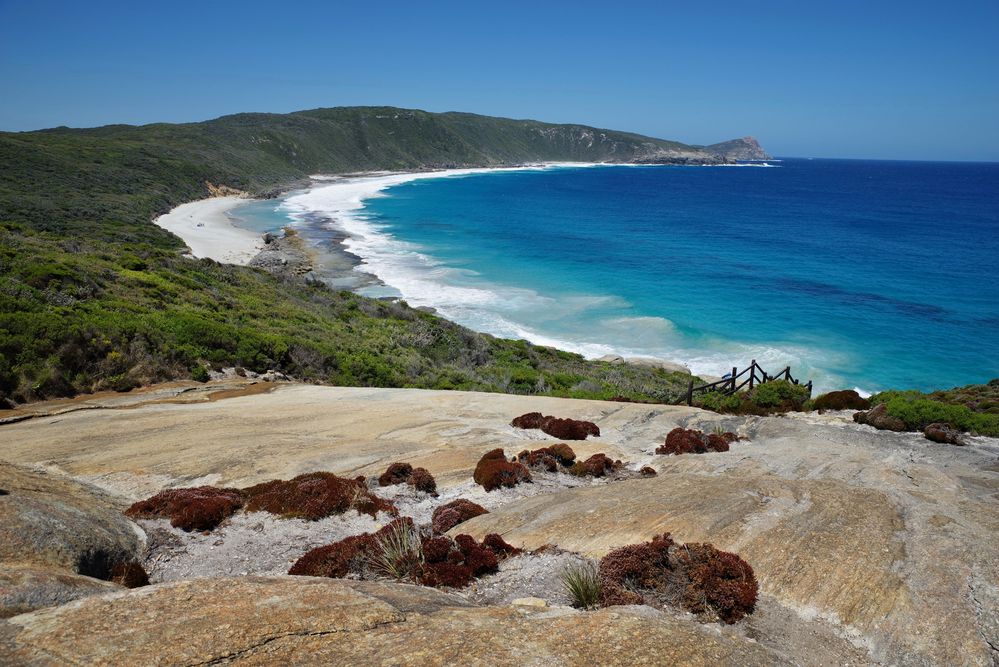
404,473
198,508
314,496
691,441
768,398
847,399
917,411
451,514
548,458
422,480
564,429
596,466
396,473
397,551
493,471
695,577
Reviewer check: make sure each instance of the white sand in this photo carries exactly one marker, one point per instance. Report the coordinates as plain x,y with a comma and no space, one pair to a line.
208,232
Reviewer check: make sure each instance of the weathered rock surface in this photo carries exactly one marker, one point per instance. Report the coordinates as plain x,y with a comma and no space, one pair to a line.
58,539
869,546
884,538
305,621
51,521
26,588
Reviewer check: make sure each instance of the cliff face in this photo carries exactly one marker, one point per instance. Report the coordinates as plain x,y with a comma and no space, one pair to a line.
746,148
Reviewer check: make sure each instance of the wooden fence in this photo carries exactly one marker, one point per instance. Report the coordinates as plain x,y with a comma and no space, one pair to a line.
732,384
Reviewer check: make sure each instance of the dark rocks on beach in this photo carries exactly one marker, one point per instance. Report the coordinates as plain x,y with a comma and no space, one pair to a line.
284,256
944,434
879,418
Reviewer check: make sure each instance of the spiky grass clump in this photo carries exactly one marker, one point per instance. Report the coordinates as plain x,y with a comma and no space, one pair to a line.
398,552
582,582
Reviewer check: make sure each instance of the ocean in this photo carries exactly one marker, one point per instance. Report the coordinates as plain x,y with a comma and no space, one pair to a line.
857,274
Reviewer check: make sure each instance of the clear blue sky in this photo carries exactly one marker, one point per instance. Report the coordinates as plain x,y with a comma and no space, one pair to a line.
906,80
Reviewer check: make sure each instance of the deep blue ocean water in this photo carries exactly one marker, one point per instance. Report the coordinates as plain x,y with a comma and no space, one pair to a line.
869,274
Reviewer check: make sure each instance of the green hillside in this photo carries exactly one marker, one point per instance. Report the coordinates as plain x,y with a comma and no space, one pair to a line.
93,295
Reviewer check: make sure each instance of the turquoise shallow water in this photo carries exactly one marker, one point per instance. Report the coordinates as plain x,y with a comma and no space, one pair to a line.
857,273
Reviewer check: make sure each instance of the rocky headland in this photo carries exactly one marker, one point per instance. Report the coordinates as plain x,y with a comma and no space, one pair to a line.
868,546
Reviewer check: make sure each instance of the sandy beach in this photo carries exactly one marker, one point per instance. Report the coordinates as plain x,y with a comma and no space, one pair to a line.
208,231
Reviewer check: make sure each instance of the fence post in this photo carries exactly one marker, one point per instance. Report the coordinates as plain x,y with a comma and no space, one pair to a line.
752,374
735,371
809,385
690,393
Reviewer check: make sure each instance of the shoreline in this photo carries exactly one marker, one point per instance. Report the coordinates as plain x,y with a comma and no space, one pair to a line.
346,257
205,227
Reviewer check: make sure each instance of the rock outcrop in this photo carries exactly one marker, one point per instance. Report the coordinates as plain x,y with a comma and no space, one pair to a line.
746,148
52,521
310,621
868,546
879,418
59,539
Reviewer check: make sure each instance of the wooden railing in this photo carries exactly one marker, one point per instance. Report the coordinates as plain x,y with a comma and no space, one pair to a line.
733,383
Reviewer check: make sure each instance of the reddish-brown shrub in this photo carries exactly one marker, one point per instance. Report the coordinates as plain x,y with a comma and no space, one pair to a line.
541,459
697,577
564,429
129,575
548,458
499,546
847,399
422,480
348,556
719,581
197,508
335,560
569,429
595,466
449,515
436,549
717,442
396,473
493,471
648,471
315,495
446,574
528,421
564,453
684,441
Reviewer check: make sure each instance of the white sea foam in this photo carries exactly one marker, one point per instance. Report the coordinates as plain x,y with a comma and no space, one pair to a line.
504,310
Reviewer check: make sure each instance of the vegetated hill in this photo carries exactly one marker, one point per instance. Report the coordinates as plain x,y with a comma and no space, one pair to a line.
94,295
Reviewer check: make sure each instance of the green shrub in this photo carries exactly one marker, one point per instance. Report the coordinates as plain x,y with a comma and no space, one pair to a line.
917,411
719,402
200,374
779,393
